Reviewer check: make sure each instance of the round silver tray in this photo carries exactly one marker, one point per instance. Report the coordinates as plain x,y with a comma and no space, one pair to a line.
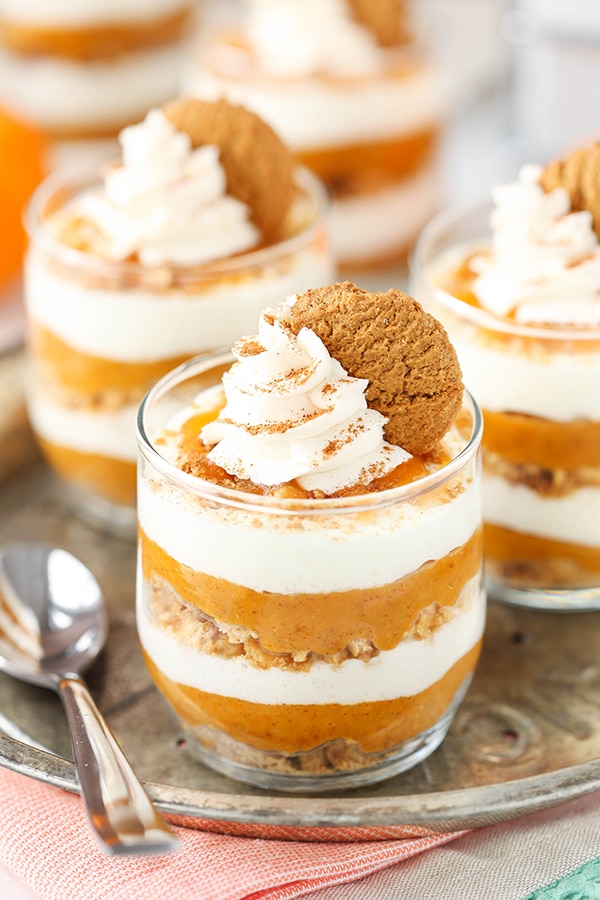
526,737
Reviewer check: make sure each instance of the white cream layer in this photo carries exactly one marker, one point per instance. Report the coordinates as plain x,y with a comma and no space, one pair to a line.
306,554
85,13
141,326
109,434
313,114
558,386
91,93
574,518
377,224
408,669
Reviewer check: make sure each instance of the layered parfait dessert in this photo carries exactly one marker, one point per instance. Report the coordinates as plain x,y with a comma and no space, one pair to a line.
523,310
310,596
350,89
88,69
171,253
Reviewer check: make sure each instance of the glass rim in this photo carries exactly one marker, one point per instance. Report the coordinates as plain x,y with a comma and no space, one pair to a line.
215,493
78,177
482,317
219,36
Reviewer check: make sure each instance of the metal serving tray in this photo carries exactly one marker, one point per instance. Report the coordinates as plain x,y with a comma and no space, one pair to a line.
527,736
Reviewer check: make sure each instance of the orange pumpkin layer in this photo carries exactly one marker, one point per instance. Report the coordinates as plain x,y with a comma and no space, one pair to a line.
370,165
97,42
525,557
376,262
289,729
323,623
108,477
540,442
84,374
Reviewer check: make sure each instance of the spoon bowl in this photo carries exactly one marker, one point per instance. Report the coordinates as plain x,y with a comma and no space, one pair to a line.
53,631
53,624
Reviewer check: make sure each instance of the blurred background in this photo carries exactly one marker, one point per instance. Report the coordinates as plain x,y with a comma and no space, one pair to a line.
519,78
522,77
519,81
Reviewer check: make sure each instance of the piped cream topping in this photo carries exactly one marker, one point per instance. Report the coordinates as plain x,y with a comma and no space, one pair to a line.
165,203
305,37
544,266
293,413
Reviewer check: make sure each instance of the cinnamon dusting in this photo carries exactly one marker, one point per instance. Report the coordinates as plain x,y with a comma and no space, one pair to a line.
193,460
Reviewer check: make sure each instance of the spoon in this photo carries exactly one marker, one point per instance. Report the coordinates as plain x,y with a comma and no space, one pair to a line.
53,624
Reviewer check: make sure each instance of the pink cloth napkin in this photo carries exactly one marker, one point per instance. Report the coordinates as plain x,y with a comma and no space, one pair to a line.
45,840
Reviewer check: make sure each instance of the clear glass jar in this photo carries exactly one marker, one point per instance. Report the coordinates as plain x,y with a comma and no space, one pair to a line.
371,134
307,645
539,391
100,333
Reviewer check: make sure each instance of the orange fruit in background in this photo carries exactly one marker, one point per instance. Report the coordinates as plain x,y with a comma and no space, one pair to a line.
23,153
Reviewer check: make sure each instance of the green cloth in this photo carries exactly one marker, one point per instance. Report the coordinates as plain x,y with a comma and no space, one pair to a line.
581,884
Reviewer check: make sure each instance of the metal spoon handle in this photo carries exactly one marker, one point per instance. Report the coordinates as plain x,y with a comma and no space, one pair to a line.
118,807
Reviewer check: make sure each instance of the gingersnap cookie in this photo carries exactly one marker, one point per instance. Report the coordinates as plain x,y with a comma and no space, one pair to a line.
405,353
385,19
579,175
258,166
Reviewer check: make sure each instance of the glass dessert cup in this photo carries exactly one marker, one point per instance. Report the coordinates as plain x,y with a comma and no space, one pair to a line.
84,53
372,139
307,645
101,332
541,441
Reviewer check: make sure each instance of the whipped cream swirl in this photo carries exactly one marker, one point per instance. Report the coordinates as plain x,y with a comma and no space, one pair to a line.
293,413
545,262
166,202
297,38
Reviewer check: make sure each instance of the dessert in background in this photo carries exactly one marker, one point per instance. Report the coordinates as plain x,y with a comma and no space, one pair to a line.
171,253
523,311
310,593
89,68
350,90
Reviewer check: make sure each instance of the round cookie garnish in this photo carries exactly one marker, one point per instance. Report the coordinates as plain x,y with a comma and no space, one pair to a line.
579,175
258,166
385,19
405,353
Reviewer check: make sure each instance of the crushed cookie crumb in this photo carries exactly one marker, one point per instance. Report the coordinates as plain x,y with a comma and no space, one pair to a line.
191,627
